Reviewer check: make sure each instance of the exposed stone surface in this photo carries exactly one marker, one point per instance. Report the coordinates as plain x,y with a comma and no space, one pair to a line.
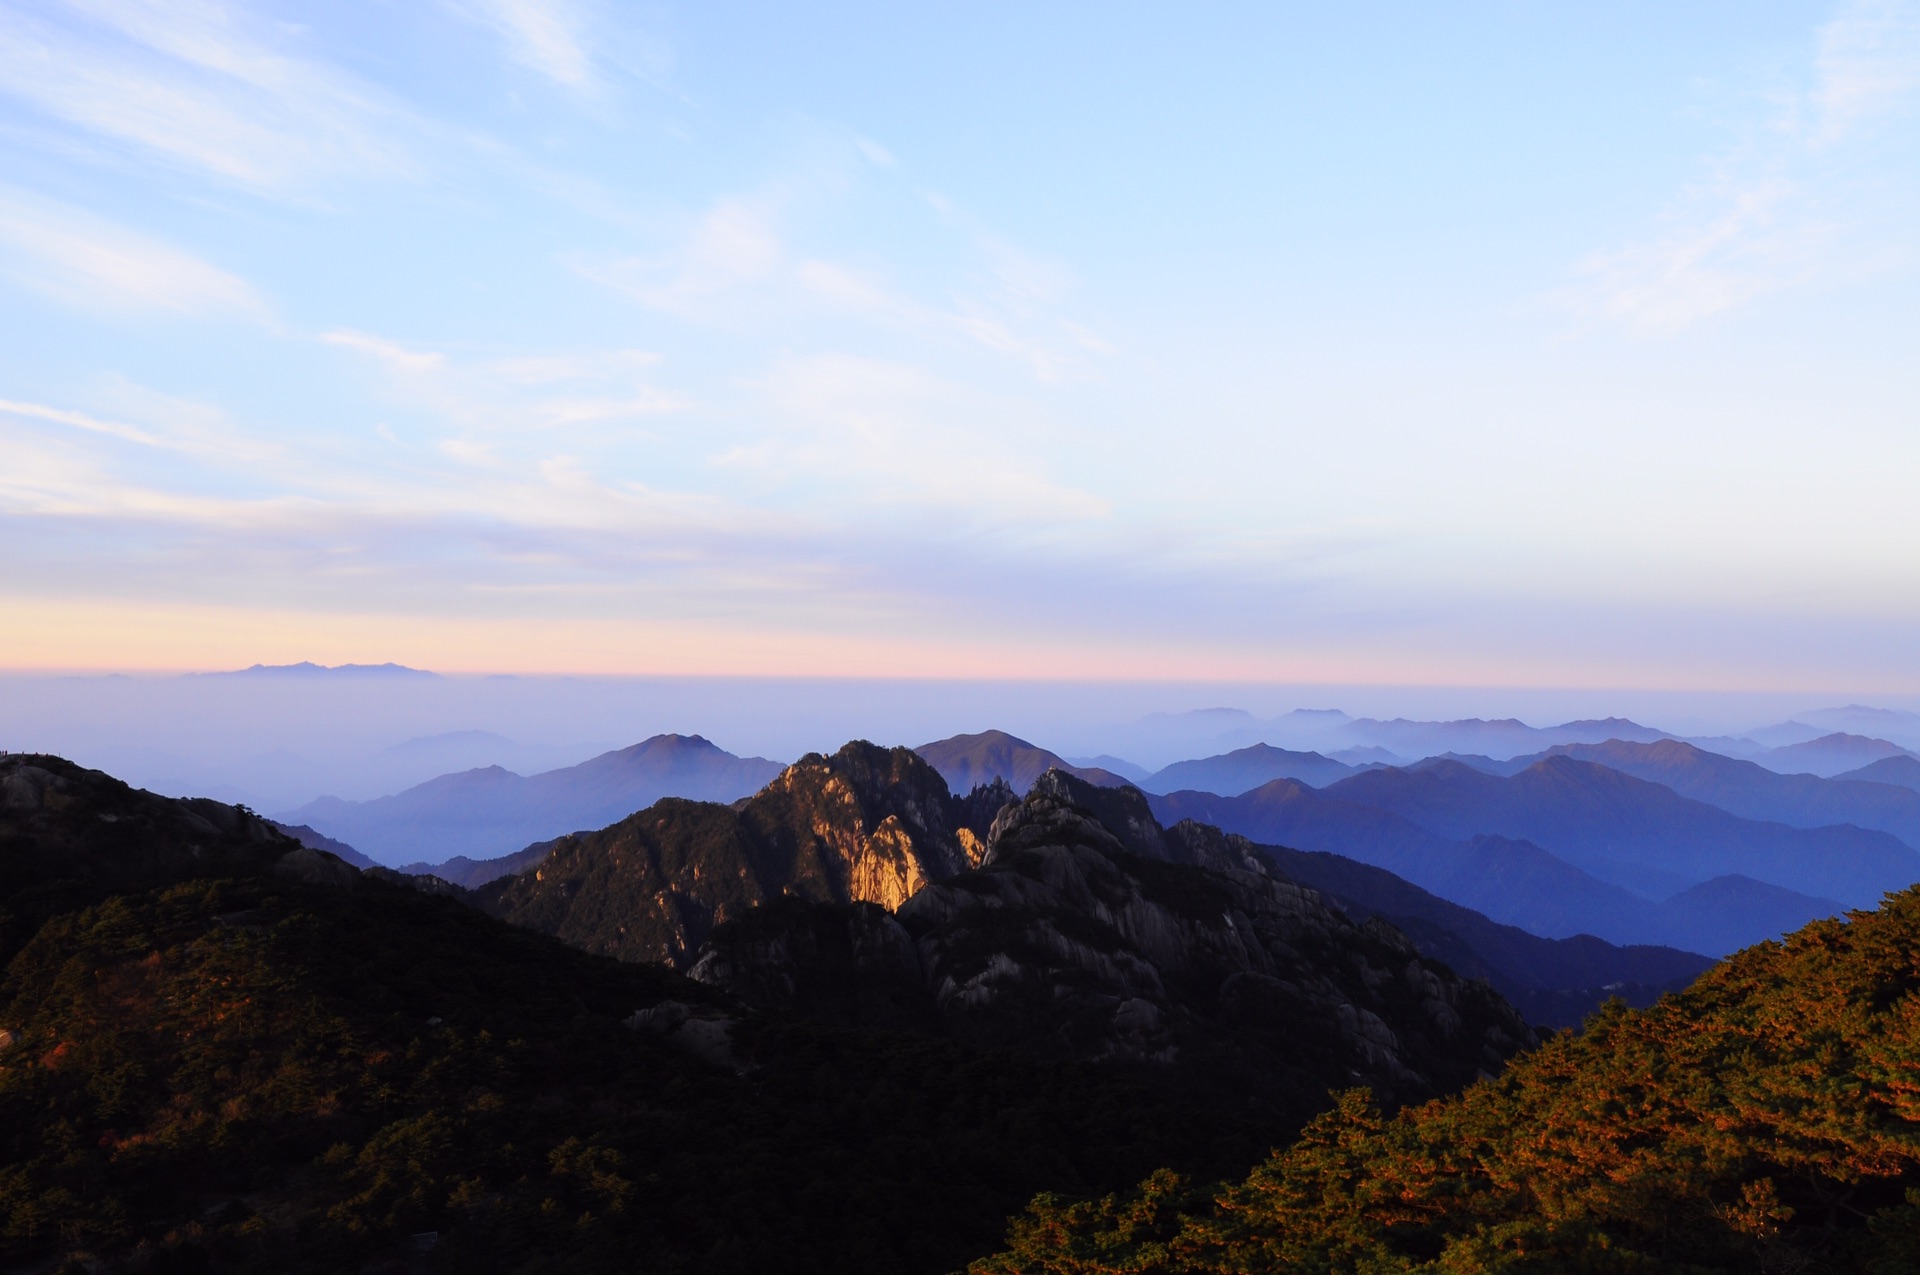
700,1031
1072,940
867,824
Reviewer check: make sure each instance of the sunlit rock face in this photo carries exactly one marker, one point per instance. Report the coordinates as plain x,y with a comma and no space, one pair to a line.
864,825
871,825
856,888
1068,939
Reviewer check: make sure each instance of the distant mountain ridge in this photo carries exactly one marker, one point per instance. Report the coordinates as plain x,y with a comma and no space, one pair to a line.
1247,768
489,812
308,669
1831,754
1554,981
1512,881
1904,771
1752,791
967,761
1335,734
1637,834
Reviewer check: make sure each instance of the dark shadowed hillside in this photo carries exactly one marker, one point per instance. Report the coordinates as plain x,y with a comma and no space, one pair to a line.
1763,1120
70,837
482,814
471,874
1068,942
316,840
224,1052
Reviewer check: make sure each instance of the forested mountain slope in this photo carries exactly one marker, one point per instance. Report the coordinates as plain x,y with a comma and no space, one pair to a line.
1767,1119
220,1051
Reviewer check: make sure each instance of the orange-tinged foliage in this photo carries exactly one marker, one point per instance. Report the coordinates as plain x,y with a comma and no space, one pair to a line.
1767,1119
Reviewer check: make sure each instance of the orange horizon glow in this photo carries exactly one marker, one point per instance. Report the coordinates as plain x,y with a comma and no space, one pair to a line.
95,638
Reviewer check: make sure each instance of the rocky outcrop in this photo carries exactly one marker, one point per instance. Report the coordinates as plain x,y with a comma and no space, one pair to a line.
1089,932
865,825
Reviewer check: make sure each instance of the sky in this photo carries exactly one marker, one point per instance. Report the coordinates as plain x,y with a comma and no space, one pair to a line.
1500,344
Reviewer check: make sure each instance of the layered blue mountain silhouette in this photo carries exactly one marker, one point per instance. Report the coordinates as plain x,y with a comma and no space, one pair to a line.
1634,837
1904,771
1248,768
490,811
1862,798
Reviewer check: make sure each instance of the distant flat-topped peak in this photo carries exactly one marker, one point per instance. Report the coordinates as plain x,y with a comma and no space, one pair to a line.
308,669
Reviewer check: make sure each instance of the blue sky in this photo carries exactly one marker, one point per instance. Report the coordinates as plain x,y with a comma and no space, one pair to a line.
1504,344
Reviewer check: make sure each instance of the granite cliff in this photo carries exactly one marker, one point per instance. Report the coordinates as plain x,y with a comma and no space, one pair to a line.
1089,934
867,824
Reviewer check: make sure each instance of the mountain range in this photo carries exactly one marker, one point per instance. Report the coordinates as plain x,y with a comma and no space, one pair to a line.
1634,833
857,1019
871,825
1752,791
228,1051
1513,881
222,1051
1649,841
1834,745
491,811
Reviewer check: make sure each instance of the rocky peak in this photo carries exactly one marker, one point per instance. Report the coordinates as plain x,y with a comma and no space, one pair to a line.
1122,811
862,825
875,824
1069,941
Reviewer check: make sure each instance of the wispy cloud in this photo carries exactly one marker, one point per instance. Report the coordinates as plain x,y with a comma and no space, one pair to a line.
518,393
735,242
740,263
92,264
1867,67
882,435
201,86
79,420
547,36
1780,210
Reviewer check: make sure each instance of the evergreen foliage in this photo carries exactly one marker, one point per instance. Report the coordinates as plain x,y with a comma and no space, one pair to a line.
255,1075
1768,1119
